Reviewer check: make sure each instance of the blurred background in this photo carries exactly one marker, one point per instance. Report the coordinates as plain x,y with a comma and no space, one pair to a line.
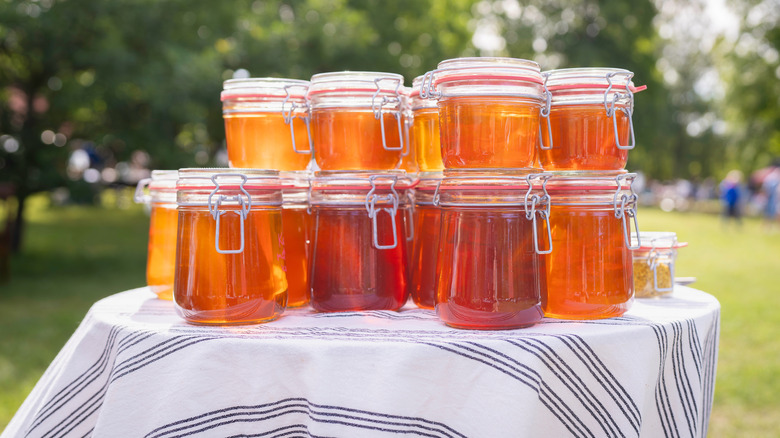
96,93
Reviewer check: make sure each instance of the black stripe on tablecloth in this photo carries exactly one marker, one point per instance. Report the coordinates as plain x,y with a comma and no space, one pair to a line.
76,416
681,380
281,432
64,395
564,372
663,404
355,418
695,345
605,377
528,377
710,362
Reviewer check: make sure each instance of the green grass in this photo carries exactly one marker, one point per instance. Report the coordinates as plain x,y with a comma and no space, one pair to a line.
76,255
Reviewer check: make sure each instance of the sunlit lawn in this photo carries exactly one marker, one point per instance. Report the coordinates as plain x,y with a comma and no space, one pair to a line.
76,255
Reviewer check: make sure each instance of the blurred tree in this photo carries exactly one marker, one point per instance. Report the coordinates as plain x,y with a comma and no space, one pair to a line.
750,66
112,77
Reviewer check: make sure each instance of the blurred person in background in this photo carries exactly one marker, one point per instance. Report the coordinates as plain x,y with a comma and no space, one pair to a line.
771,190
731,194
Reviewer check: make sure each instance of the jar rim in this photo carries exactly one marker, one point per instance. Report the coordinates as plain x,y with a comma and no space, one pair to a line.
652,240
356,82
355,180
234,179
260,88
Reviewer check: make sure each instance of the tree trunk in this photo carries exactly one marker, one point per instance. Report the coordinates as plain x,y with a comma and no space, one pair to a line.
18,225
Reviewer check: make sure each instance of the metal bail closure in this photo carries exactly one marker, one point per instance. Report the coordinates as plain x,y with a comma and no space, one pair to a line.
627,207
545,114
609,106
140,197
242,212
436,195
427,88
289,117
652,260
544,211
377,107
371,200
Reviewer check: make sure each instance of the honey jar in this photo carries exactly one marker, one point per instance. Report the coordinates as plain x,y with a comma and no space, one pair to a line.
230,262
267,123
427,221
589,125
161,252
357,120
589,271
409,161
489,111
358,259
654,262
297,234
488,263
424,134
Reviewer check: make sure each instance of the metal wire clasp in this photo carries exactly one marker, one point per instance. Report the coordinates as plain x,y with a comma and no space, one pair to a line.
376,106
244,204
140,197
289,116
609,106
371,207
545,114
427,88
625,205
534,201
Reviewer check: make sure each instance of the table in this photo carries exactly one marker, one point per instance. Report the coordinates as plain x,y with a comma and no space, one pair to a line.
133,368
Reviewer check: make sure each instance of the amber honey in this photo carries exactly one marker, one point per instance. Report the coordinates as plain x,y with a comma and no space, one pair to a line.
488,132
347,272
351,139
425,139
262,140
160,263
296,229
487,270
214,288
422,265
584,139
589,273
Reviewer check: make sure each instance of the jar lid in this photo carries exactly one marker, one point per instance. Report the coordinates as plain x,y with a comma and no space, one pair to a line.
590,85
350,180
470,188
488,68
264,88
164,180
567,181
194,179
428,180
651,240
356,82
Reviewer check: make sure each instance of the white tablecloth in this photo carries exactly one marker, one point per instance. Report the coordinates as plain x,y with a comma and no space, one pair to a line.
133,368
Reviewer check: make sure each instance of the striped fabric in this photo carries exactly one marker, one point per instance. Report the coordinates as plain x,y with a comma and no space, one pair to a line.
134,369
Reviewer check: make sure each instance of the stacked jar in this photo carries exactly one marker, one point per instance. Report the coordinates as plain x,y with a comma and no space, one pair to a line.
491,199
586,133
360,198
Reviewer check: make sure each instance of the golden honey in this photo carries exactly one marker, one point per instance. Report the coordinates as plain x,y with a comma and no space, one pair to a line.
160,265
425,139
262,141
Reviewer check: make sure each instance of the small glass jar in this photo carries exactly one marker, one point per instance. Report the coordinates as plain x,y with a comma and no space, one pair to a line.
488,261
296,230
589,271
425,130
427,223
489,111
267,123
161,252
654,263
359,257
589,125
357,120
230,262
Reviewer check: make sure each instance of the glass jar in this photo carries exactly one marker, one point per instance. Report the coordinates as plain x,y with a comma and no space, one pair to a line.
357,121
161,253
427,222
589,271
230,262
408,155
296,230
425,130
654,263
488,261
358,258
488,111
267,123
589,125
